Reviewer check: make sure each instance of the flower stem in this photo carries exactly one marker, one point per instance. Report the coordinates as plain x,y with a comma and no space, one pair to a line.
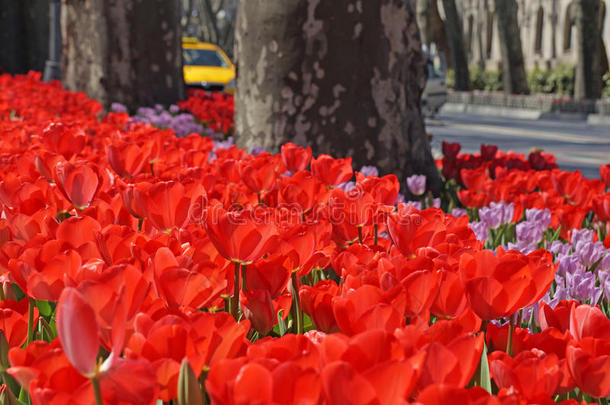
31,305
297,304
243,277
360,234
97,391
235,298
511,330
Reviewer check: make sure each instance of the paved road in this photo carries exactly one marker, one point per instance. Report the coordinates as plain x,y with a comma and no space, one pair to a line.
575,144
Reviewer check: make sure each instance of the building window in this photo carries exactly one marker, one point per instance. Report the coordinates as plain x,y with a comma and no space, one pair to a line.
539,30
490,34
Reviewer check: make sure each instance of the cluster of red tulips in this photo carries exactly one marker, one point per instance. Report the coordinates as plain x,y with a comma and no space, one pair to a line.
568,195
214,110
141,268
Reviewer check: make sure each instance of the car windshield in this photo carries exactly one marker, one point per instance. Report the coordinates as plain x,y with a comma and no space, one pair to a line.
203,57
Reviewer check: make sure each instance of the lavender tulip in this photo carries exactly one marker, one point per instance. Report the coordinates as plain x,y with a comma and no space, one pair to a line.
257,150
541,217
417,184
458,212
589,252
480,229
369,171
118,108
497,214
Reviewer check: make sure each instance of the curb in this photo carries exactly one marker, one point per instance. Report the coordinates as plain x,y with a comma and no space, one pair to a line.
598,119
520,113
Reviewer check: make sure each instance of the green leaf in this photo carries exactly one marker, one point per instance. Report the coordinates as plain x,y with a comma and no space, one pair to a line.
44,307
281,323
485,381
556,234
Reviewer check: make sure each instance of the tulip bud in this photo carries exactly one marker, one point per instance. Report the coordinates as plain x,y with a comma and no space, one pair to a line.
189,391
9,292
7,397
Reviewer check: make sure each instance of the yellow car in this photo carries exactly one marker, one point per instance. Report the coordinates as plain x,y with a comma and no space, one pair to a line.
206,66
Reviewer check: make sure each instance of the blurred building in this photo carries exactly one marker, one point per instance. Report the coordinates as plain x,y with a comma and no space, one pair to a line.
547,32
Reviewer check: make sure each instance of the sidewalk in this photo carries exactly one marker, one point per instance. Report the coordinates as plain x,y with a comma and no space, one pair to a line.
529,107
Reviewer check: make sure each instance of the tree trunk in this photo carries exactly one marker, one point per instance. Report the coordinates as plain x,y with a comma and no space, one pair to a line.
24,35
587,81
513,67
423,21
135,56
344,77
457,52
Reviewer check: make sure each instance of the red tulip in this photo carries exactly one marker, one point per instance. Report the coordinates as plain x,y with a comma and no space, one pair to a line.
78,184
365,308
260,173
317,303
588,321
64,139
601,206
533,373
453,363
589,364
126,159
604,174
168,204
558,317
295,158
488,152
330,171
447,394
258,308
451,150
78,331
497,286
14,321
239,236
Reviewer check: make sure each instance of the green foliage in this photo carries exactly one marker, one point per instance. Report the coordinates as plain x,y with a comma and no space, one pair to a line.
556,81
489,80
450,80
606,85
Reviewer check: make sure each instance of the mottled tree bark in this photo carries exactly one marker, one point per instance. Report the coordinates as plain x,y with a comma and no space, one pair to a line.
24,35
587,80
457,51
513,67
343,76
123,51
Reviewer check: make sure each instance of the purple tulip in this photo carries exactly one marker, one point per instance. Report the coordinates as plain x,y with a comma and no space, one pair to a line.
415,204
174,109
347,186
529,233
589,252
581,235
480,229
458,212
497,214
369,171
541,217
257,150
569,264
223,144
581,286
118,108
417,184
559,248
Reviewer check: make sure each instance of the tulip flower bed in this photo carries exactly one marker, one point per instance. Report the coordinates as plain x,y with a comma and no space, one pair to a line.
138,267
